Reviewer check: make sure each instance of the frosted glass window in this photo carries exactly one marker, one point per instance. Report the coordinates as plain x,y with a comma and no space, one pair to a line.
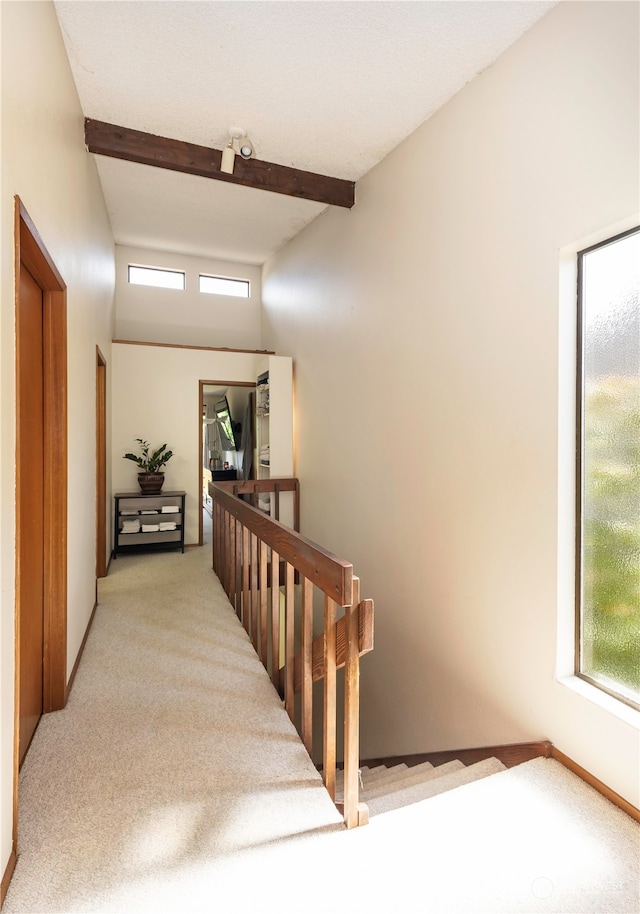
608,650
220,285
154,276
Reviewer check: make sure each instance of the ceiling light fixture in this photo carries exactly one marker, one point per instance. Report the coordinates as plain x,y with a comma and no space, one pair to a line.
228,158
246,148
239,144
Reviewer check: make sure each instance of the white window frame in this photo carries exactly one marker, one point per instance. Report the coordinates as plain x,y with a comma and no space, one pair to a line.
158,270
567,481
616,690
236,287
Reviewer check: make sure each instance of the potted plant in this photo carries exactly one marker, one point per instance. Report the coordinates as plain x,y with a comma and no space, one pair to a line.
150,477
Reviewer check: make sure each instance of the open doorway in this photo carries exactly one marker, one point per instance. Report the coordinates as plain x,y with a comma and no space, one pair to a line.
226,437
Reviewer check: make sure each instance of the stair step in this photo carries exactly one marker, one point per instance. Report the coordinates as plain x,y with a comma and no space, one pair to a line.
416,775
432,786
397,780
382,773
371,775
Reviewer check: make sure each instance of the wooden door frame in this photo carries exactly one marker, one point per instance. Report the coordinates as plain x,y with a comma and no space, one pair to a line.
30,250
201,387
101,466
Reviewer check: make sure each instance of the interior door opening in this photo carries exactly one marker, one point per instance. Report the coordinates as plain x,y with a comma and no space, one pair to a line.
226,435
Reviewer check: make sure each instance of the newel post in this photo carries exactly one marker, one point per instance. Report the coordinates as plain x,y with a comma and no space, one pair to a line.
355,813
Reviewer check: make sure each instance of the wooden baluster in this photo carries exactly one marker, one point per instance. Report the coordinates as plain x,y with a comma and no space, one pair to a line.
232,560
246,561
238,569
276,490
263,605
275,619
221,525
231,541
307,680
213,531
329,709
227,554
218,537
214,539
214,515
254,591
289,622
214,520
351,710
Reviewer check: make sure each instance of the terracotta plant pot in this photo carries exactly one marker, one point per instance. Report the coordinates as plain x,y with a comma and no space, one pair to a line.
150,483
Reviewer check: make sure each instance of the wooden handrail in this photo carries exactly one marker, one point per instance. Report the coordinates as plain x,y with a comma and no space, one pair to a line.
254,487
270,574
330,574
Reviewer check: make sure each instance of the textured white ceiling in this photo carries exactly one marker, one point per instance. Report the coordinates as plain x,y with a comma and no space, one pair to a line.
155,208
330,86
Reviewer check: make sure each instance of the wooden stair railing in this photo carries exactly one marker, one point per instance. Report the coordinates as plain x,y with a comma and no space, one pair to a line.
271,575
254,487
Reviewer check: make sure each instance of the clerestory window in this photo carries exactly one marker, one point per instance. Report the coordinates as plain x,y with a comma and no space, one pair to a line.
224,285
157,277
608,467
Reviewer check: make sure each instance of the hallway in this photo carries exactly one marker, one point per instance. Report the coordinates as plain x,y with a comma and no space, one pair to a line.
173,754
174,782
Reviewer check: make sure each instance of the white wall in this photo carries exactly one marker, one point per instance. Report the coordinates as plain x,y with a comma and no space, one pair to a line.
156,397
424,329
44,161
187,317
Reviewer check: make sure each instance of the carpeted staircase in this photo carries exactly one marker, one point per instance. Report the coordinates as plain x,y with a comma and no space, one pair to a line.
385,788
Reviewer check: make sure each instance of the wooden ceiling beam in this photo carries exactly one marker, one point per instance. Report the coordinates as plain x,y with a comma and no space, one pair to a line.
176,155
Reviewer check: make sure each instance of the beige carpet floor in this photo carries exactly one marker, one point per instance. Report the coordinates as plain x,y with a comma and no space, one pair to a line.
174,782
